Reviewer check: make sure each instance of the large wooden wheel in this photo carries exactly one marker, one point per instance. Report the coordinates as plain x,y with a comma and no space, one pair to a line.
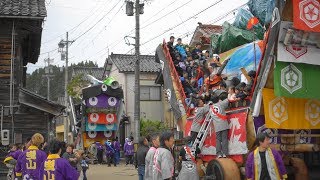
222,169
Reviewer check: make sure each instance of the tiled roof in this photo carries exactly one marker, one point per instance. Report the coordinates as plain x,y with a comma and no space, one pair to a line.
204,31
93,71
30,8
126,63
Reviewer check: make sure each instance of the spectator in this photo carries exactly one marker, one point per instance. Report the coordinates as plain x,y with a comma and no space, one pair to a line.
163,159
30,160
26,144
84,162
55,167
181,49
70,156
128,149
264,163
149,157
196,53
141,157
231,94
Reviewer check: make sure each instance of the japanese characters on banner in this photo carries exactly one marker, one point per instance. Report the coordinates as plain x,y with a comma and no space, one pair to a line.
290,113
237,135
306,15
259,124
298,46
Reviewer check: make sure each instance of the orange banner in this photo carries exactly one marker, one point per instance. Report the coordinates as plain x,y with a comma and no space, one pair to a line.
290,113
306,15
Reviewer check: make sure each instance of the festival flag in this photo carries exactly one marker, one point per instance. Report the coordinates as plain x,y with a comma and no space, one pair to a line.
290,113
252,22
296,80
306,15
298,46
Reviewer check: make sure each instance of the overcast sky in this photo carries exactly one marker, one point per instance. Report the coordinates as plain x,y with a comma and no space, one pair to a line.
103,24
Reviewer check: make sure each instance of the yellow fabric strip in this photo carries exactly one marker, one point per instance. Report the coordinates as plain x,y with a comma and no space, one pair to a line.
273,162
7,159
33,148
18,174
255,162
290,113
53,156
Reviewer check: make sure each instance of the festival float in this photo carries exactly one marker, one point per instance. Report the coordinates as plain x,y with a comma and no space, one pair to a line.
284,101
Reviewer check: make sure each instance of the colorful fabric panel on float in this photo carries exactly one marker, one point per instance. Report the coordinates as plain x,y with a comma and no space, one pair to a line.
93,136
101,127
100,118
290,113
298,46
102,101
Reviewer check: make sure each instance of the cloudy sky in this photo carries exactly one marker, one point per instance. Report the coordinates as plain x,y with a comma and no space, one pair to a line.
99,26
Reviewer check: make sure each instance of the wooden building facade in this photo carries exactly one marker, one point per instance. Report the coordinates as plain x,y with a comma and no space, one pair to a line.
22,112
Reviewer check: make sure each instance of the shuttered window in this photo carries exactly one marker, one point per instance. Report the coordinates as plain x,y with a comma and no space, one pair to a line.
150,93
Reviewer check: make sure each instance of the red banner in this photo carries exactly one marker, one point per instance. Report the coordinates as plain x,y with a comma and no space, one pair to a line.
306,15
101,118
237,135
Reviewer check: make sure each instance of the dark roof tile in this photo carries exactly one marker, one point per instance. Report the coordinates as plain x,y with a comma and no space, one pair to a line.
93,71
126,63
31,8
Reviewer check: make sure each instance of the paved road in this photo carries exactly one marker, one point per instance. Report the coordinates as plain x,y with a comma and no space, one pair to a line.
121,172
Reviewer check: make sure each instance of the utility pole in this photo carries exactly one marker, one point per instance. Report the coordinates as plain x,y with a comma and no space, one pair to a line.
48,74
137,74
64,56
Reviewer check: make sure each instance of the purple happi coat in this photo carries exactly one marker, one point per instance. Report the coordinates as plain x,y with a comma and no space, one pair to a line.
99,146
276,170
116,146
29,162
13,155
128,148
109,149
58,168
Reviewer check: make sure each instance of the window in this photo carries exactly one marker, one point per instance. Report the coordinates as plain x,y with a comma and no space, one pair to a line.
150,93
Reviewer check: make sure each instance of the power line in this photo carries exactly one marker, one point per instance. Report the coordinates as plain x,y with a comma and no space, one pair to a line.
182,22
75,27
97,22
106,25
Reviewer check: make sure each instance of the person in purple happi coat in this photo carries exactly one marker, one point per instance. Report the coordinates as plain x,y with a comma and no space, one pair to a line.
110,153
55,167
116,145
30,160
99,152
128,149
11,159
265,163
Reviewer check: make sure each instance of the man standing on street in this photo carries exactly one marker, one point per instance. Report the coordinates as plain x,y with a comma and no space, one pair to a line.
149,157
141,156
265,163
70,156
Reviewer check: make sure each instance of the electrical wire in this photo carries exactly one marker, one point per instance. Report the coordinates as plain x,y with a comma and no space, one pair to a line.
96,22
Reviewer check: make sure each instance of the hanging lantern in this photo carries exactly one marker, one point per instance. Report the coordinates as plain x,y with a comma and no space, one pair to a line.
141,8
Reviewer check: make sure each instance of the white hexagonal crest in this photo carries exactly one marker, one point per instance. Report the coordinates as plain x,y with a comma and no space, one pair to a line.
291,78
278,110
312,112
309,12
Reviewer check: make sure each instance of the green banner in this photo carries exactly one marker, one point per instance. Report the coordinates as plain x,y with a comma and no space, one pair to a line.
297,80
